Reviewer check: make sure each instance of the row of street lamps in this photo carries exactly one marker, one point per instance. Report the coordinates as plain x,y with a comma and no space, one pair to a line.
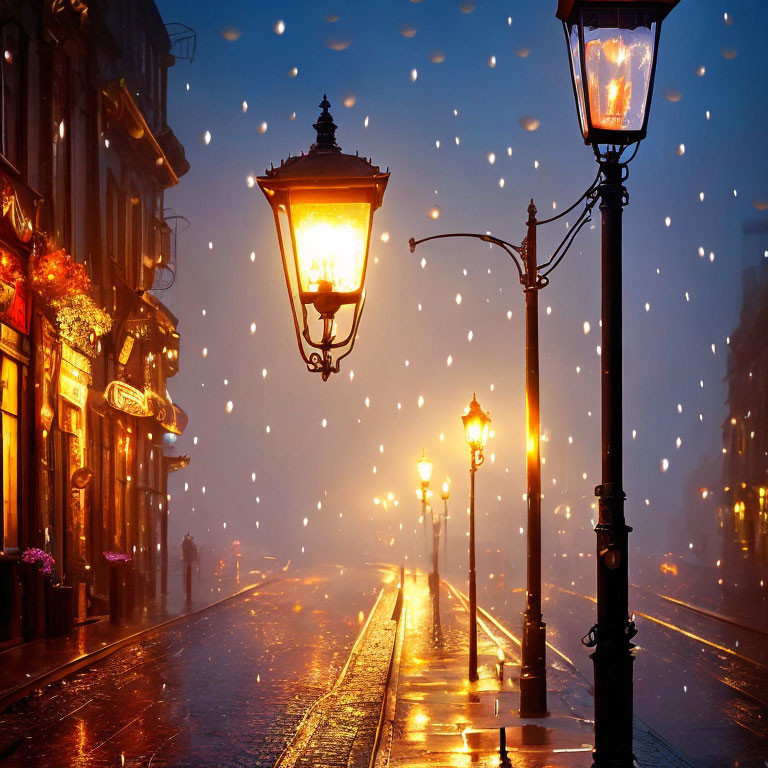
477,423
323,204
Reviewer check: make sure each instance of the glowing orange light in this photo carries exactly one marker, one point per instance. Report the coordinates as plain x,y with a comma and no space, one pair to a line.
425,468
610,60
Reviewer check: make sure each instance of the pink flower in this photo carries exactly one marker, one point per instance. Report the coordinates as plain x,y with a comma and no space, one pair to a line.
117,557
34,555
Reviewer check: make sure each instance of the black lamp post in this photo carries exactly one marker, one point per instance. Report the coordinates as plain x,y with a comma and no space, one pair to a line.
533,668
425,473
446,492
476,427
612,46
323,203
435,577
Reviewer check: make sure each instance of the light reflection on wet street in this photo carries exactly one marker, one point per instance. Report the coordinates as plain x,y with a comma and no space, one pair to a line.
226,687
702,684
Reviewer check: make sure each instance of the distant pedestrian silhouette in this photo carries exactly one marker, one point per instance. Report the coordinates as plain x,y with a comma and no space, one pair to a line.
188,556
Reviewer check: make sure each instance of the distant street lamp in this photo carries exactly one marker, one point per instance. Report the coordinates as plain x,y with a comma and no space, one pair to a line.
476,426
446,492
425,473
533,277
434,577
612,47
323,203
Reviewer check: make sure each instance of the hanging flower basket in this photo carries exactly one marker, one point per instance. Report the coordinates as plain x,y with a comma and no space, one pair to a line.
117,557
55,277
63,288
43,560
81,321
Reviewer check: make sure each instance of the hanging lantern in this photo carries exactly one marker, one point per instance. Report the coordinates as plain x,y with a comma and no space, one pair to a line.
324,203
613,46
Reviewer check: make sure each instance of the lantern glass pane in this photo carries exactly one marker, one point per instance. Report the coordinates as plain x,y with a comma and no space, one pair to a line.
425,470
474,431
618,59
331,242
304,313
573,47
484,438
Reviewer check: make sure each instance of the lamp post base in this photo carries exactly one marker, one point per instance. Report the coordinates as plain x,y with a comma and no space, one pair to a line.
534,689
533,672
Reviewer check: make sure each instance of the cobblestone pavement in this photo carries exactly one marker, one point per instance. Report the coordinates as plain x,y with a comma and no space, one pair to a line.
226,688
341,728
29,665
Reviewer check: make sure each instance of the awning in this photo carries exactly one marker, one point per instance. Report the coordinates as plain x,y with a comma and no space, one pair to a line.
173,463
170,416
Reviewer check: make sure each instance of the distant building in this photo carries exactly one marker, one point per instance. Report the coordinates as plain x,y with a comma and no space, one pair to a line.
744,513
86,154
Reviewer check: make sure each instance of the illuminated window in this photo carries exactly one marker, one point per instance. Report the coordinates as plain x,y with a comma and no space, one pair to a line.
10,426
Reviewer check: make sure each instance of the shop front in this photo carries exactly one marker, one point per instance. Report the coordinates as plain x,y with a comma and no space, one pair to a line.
72,511
18,582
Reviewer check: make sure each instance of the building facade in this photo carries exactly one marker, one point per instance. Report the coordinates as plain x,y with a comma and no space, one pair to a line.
87,347
743,515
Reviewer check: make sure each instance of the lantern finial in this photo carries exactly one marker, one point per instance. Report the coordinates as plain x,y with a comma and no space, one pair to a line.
326,129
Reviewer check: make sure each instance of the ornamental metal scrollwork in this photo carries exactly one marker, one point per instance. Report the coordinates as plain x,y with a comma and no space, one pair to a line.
58,24
11,209
128,399
322,364
170,416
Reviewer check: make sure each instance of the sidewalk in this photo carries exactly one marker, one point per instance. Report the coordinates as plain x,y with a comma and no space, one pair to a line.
440,719
40,662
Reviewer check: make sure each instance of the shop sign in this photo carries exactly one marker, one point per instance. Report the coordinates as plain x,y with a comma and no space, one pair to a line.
128,399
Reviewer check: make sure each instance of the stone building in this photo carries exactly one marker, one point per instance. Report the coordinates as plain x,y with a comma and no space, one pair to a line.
87,347
744,512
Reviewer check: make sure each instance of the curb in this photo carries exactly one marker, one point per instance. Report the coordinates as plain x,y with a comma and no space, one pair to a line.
304,732
382,746
69,668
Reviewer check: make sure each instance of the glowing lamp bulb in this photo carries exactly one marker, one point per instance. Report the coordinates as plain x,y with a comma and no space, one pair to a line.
476,426
425,468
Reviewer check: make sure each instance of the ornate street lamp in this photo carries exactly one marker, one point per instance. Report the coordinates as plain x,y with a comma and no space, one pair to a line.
612,46
476,427
324,203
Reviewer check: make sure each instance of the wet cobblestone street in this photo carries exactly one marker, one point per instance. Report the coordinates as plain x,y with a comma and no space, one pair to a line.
228,687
